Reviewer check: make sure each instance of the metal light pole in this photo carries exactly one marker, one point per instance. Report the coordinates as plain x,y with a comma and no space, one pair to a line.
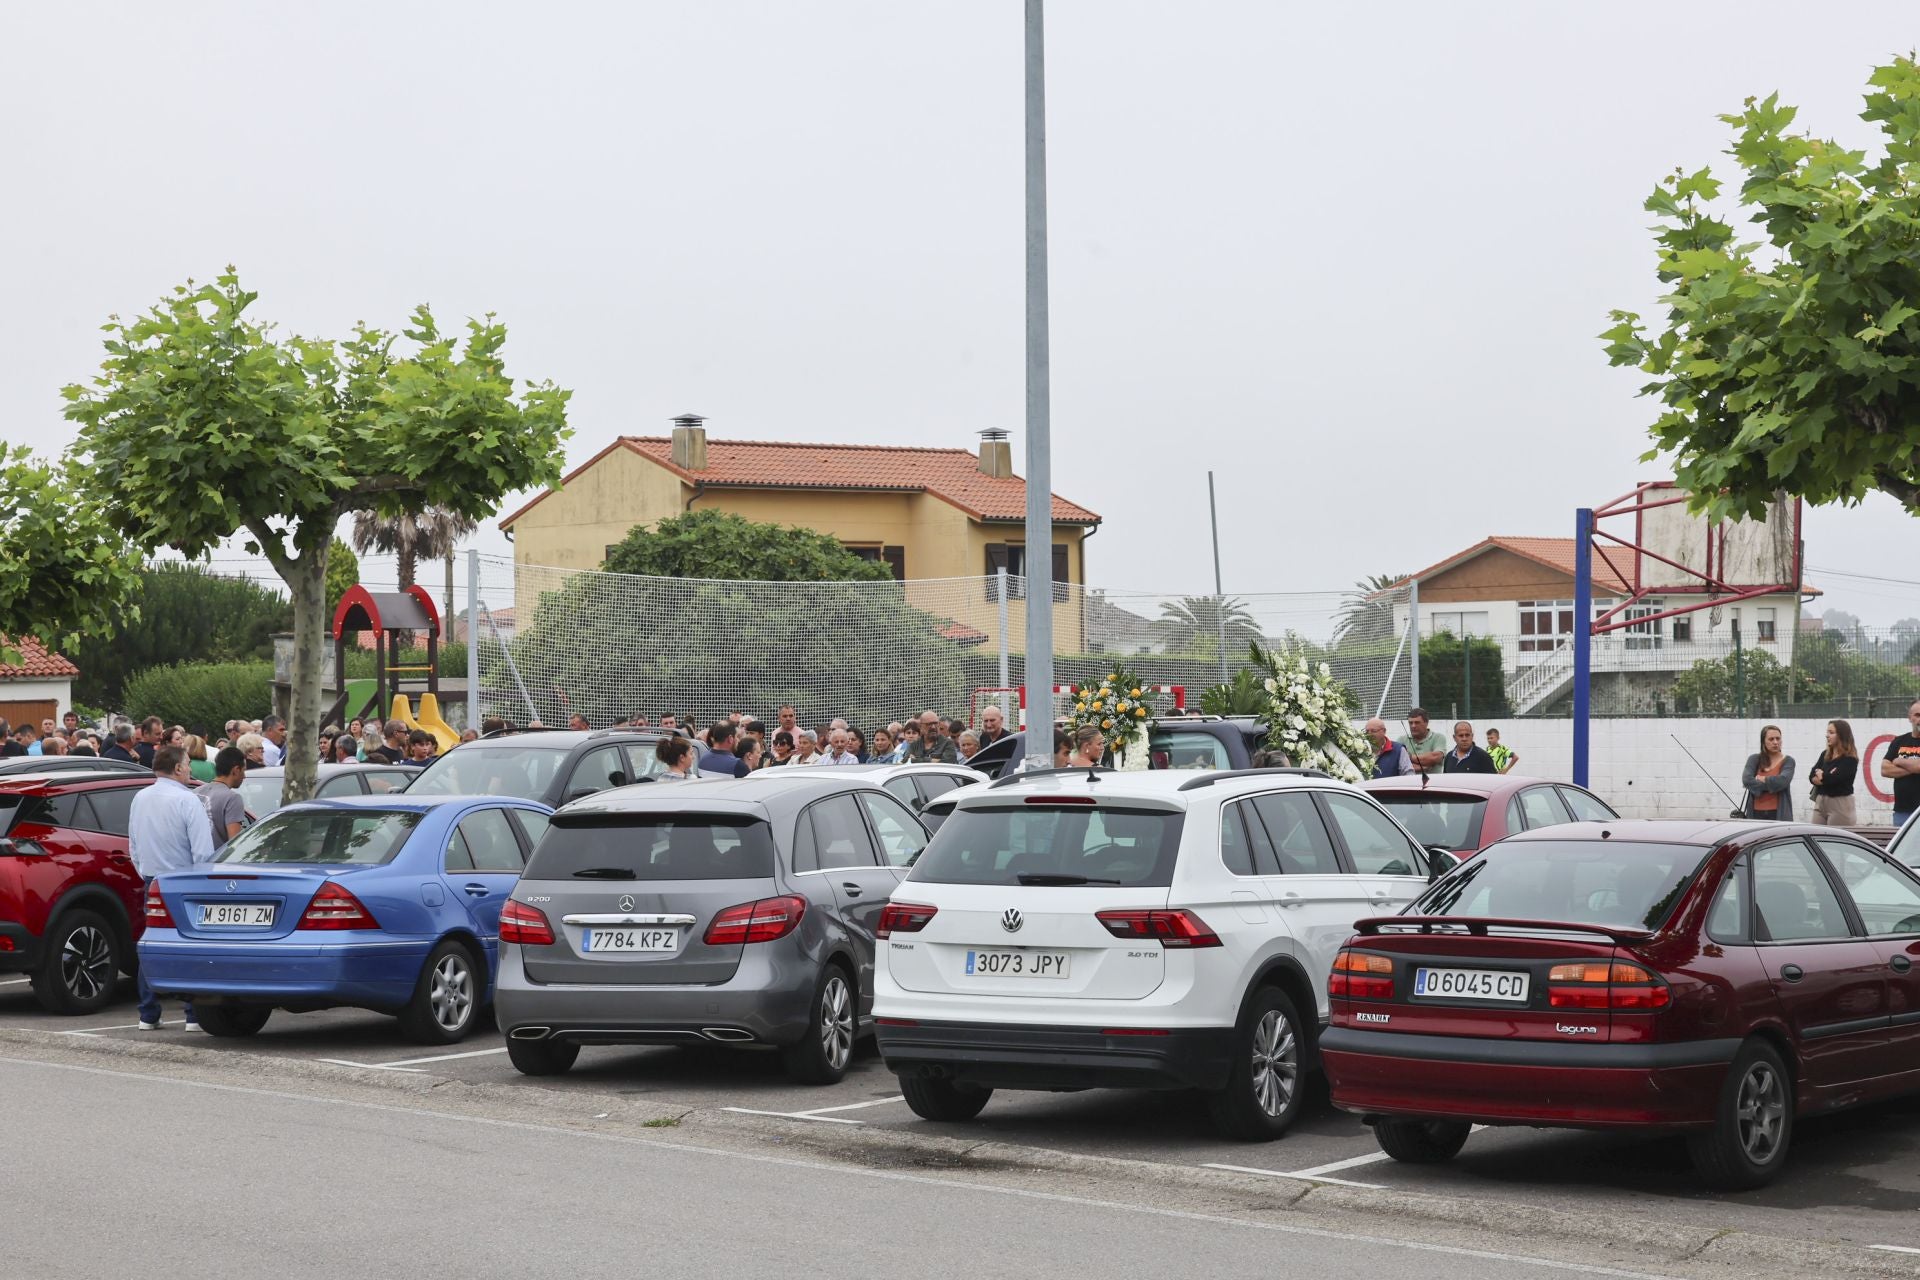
1219,592
1039,676
1582,641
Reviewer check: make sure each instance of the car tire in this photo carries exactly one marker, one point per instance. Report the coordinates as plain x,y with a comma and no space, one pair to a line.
824,1053
1266,1081
446,999
232,1021
542,1057
1752,1123
80,966
1421,1141
943,1099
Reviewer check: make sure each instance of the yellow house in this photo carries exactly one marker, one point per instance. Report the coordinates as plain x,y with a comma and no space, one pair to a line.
933,516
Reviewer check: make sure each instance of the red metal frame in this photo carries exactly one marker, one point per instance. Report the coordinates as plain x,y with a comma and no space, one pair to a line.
1711,585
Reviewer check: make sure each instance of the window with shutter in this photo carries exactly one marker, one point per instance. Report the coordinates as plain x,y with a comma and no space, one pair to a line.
1060,576
896,558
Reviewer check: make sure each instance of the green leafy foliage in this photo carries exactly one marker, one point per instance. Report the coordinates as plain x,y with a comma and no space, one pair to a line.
1716,686
187,614
1449,664
1791,361
453,661
202,422
721,545
202,695
65,572
1366,615
1241,696
343,574
1194,625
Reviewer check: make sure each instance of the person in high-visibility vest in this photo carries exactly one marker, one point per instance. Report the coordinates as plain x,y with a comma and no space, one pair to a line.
1503,758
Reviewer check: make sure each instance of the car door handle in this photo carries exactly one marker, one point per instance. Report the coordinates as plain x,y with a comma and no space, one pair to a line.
477,890
1792,972
853,890
1290,899
1900,964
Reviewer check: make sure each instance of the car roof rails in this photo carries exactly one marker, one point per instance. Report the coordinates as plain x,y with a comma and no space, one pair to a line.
1293,771
517,730
1090,772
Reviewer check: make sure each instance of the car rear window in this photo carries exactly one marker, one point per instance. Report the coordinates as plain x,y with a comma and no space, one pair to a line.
1066,844
260,795
653,847
1452,821
332,837
509,770
1620,883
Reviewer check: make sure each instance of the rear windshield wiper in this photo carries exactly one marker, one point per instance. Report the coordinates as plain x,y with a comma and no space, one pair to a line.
1059,877
605,873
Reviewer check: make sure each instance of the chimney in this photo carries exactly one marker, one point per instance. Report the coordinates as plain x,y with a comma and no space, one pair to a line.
996,455
690,442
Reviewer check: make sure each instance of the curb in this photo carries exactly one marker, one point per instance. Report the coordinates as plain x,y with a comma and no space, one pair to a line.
895,1149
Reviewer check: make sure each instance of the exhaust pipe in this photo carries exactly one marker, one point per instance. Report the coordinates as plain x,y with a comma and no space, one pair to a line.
529,1033
731,1035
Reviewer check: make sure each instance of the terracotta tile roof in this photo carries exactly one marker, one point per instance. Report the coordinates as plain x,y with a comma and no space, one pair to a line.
952,475
38,664
1557,555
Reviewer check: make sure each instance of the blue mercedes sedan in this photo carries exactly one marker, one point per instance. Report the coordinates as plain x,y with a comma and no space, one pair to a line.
383,902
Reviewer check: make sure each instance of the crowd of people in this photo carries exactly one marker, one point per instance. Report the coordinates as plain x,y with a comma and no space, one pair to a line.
1425,751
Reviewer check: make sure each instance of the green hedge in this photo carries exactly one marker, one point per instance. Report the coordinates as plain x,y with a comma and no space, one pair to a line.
453,661
202,695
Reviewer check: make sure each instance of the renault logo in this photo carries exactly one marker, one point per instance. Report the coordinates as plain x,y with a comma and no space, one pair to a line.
626,903
1010,920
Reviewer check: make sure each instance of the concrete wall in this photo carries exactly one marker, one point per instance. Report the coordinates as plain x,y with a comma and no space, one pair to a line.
58,692
1638,768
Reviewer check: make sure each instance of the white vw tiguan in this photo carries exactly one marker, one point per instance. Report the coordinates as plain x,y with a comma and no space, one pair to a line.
1160,930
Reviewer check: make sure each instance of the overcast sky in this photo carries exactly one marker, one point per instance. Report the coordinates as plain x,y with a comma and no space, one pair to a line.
1351,257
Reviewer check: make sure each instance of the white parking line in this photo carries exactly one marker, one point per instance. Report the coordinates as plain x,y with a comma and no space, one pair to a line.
1301,1177
1373,1157
789,1115
854,1106
405,1064
1893,1248
13,982
371,1066
124,1026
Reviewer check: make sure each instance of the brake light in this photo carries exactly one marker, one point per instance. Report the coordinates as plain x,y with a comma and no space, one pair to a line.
1169,928
761,921
6,942
903,917
1060,800
1361,976
158,917
1604,985
335,907
525,925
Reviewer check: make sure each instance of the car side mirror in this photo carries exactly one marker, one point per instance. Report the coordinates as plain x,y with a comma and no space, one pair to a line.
1441,860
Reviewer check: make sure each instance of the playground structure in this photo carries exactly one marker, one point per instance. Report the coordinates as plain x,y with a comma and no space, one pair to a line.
390,615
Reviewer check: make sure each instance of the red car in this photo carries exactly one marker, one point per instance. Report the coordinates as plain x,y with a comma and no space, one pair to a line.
71,902
1715,979
1466,812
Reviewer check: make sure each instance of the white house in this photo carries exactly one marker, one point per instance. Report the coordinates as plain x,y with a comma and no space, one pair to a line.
39,687
1519,591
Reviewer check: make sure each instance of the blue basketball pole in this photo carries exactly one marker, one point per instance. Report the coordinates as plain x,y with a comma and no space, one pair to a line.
1582,638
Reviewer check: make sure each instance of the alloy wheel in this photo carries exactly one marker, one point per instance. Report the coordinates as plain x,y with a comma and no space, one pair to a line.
86,963
451,996
1761,1112
1276,1063
836,1022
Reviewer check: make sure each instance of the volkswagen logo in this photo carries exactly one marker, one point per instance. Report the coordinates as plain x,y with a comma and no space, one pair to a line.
1010,920
626,903
232,887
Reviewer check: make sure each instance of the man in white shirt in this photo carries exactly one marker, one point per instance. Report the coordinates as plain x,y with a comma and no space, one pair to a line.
167,830
839,743
274,749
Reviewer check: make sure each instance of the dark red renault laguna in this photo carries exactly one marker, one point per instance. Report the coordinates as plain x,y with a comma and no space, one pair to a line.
1712,978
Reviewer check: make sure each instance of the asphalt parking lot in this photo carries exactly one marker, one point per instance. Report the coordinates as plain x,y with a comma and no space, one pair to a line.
1853,1177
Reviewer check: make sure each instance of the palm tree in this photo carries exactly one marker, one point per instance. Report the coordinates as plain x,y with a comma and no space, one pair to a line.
1195,624
413,536
1367,615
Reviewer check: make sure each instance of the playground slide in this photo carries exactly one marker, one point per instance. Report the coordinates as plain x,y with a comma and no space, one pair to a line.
431,721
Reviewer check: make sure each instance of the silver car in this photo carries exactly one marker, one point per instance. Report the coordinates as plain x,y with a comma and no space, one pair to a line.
734,912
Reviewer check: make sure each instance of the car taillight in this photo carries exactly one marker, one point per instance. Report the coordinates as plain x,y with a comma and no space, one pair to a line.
761,921
158,917
903,917
335,907
1361,976
525,925
1169,928
1604,985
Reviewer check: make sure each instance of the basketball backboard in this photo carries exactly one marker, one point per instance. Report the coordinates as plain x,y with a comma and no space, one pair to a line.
1679,550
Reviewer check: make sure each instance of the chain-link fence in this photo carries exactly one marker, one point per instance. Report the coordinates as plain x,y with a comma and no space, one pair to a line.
552,642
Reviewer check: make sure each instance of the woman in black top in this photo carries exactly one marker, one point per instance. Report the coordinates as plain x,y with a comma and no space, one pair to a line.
1833,775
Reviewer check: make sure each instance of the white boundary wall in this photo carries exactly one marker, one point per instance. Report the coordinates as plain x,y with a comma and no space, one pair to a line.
1637,767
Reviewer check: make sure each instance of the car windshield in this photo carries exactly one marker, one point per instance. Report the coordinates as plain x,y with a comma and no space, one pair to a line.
1619,883
260,795
647,846
354,837
1451,821
1064,844
509,769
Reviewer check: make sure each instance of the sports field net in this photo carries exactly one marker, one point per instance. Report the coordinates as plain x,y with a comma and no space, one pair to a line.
552,642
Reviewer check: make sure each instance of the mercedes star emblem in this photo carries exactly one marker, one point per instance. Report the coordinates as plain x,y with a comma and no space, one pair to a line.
1010,920
626,903
232,887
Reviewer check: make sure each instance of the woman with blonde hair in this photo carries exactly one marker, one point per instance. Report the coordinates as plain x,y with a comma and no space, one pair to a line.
1767,777
1832,777
197,763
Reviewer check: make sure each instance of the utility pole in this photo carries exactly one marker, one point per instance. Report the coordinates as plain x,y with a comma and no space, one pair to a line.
1219,592
1039,676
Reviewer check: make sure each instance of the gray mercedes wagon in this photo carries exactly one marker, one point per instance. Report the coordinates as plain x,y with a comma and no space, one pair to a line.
733,912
